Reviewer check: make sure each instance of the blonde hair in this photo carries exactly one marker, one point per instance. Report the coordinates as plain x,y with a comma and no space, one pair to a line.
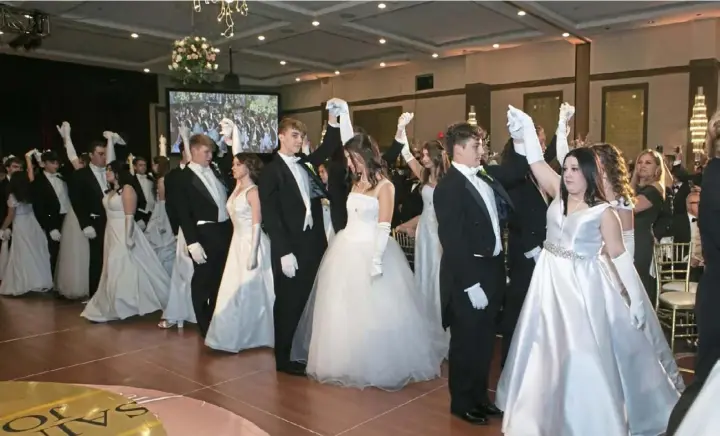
712,141
662,176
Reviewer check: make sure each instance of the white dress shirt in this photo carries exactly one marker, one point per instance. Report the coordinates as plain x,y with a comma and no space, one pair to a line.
60,189
147,188
214,187
695,245
488,196
100,176
303,181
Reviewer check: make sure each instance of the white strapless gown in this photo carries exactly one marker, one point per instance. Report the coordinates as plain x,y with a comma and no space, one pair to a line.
577,366
360,331
71,274
133,281
703,419
160,236
243,316
427,270
28,267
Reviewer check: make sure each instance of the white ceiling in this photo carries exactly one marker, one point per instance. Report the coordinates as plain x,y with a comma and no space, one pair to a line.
98,32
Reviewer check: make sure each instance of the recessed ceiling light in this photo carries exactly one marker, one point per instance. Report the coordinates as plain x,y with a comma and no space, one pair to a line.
496,45
434,55
1,32
134,35
216,50
261,38
27,16
147,70
382,64
282,62
297,79
381,6
337,72
521,13
565,35
315,23
382,41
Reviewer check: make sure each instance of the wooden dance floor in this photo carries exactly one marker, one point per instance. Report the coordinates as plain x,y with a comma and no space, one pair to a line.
44,339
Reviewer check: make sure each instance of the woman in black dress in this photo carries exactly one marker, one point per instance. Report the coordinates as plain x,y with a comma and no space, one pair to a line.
649,183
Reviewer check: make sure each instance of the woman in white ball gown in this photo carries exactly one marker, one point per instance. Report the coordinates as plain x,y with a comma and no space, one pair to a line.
159,231
364,324
243,316
133,281
579,363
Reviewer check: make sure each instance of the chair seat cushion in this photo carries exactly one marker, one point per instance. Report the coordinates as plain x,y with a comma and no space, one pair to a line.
678,300
679,287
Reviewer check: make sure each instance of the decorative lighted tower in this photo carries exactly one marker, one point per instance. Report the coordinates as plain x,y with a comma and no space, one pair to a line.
698,122
471,116
322,134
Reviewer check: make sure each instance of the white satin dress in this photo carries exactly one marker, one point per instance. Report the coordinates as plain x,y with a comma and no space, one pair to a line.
359,331
428,252
71,274
133,281
160,236
703,418
179,308
577,366
243,316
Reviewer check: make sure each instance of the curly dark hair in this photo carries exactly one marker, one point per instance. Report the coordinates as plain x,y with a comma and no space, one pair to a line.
460,134
613,164
252,162
122,176
363,149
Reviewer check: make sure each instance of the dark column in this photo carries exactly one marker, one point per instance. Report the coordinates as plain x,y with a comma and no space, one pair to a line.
582,90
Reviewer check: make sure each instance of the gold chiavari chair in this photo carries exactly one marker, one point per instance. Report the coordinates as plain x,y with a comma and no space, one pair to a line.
407,243
675,302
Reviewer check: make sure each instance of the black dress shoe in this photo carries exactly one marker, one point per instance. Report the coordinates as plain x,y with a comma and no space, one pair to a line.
490,409
474,416
293,368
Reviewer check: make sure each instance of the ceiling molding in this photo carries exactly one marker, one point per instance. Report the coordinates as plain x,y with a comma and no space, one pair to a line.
292,59
123,27
427,48
553,18
657,13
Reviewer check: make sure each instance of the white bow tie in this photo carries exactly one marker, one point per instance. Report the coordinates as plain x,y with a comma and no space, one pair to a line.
97,169
142,176
294,159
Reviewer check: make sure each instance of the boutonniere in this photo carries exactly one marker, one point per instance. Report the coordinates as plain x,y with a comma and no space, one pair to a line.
325,202
310,167
485,175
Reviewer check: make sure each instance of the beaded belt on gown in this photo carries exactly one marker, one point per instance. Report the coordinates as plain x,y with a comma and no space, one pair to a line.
563,252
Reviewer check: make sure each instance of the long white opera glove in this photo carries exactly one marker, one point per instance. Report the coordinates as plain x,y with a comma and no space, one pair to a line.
55,235
382,237
403,121
130,160
406,153
516,133
339,108
533,151
197,252
184,132
477,296
289,265
629,240
5,234
129,231
110,146
38,157
563,130
630,279
162,146
255,247
64,131
89,232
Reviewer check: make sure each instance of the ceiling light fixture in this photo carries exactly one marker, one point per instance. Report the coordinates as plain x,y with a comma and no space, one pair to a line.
565,35
382,64
227,9
435,55
315,23
297,79
282,62
216,50
381,6
261,38
496,45
134,35
521,13
146,70
382,41
337,73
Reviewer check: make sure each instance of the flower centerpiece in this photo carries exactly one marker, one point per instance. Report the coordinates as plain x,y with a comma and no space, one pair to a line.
193,60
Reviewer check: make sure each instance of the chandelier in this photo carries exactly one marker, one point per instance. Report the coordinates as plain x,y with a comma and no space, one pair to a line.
698,122
227,9
471,116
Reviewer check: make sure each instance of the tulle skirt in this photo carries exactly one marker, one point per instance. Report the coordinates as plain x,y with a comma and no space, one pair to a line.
71,274
360,331
28,267
577,366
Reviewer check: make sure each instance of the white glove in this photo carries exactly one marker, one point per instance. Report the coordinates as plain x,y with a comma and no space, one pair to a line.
630,279
162,146
117,139
382,237
5,234
255,247
55,235
129,230
89,232
566,113
477,296
533,254
289,265
197,253
108,135
403,121
533,151
629,240
337,107
67,141
184,133
406,153
516,133
142,225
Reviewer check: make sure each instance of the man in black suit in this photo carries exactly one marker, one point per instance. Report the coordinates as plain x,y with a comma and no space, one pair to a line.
470,202
86,195
205,224
145,189
290,194
173,193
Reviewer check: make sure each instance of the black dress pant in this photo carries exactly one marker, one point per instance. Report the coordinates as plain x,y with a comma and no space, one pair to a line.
520,271
215,240
97,246
54,246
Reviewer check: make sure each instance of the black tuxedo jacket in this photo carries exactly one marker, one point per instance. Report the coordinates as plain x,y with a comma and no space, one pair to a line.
173,190
196,204
141,200
46,203
339,185
282,204
465,226
86,197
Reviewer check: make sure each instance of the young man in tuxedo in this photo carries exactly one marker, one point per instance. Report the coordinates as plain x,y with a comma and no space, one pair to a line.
205,223
470,202
145,189
290,194
51,202
173,193
86,195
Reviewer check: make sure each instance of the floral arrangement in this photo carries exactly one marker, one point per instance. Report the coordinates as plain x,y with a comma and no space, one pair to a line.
193,60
